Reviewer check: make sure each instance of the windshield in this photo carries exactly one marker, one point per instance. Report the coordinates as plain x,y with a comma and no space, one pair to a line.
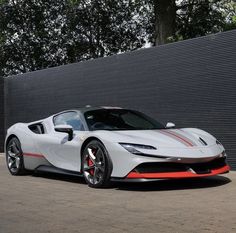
119,119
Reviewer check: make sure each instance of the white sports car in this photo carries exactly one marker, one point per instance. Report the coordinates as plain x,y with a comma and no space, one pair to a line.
110,143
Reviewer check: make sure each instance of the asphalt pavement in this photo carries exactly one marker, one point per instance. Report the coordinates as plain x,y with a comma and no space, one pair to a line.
55,203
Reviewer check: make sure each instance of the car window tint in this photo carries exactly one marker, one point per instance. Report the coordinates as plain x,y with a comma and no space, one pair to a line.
135,120
119,119
69,118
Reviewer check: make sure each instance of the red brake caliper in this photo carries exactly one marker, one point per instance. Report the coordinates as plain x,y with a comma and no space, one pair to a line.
90,163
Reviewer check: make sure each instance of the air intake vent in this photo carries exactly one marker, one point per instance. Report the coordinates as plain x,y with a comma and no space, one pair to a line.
202,141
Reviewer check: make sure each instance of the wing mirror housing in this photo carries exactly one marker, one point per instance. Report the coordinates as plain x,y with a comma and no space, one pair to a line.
65,129
170,125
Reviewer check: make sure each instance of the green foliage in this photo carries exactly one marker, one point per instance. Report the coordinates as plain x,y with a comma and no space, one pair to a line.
106,28
229,11
198,18
36,34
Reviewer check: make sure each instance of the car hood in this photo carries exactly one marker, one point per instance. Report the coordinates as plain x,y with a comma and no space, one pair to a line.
185,142
180,138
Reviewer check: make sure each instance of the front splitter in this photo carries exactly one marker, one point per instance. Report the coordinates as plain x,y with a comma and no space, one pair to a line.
176,175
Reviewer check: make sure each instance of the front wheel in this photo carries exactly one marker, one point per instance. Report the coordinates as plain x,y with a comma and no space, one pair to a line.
96,165
14,157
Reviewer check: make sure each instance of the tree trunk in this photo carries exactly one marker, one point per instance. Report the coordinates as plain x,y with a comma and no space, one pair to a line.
165,20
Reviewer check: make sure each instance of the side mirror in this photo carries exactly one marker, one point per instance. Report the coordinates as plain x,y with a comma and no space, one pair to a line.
65,129
170,125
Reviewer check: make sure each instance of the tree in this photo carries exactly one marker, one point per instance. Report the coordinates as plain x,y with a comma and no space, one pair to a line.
36,34
165,20
198,18
177,20
107,27
33,35
229,12
39,33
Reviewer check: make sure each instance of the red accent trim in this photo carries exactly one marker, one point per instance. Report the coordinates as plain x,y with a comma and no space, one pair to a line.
178,132
33,155
90,163
176,175
177,136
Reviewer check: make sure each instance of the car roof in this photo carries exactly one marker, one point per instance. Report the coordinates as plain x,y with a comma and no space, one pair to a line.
89,108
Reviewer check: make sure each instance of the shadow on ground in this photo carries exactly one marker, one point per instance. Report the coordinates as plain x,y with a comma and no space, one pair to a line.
167,185
160,185
60,177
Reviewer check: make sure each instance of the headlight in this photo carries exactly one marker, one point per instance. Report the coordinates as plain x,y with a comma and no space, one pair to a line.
133,148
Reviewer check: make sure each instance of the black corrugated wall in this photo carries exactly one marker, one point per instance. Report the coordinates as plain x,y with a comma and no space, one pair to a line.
1,113
191,83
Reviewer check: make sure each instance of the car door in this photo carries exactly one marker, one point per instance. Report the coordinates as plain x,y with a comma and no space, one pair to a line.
56,147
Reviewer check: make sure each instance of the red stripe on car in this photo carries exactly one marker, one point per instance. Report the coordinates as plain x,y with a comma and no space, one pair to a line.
176,137
33,155
184,136
180,137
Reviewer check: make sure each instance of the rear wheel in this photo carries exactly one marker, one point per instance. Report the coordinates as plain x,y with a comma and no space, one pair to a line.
96,165
14,157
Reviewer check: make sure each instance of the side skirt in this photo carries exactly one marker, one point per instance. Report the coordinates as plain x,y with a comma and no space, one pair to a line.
52,169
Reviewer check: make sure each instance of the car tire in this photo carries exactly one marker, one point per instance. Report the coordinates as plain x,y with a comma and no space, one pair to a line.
14,157
96,165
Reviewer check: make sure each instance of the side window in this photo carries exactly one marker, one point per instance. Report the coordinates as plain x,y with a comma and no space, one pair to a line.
69,118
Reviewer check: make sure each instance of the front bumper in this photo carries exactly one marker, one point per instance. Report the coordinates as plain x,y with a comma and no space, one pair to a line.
178,170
